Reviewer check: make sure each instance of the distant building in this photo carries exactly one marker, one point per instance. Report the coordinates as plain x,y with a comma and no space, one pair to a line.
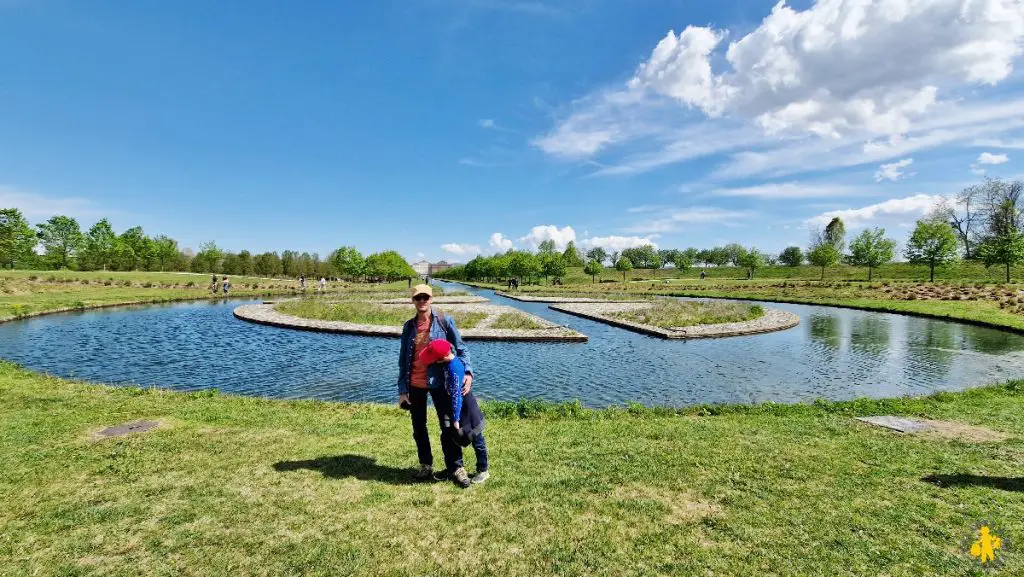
438,267
422,267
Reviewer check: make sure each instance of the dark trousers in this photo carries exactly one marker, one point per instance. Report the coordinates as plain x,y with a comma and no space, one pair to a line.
480,448
418,410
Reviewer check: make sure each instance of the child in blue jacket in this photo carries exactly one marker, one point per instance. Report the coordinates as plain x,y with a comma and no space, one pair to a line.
464,420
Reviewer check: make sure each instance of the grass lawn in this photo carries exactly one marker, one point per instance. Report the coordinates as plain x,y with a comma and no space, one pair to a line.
514,321
28,292
673,313
245,486
367,313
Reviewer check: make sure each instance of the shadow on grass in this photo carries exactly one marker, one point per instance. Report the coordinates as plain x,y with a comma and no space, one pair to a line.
357,466
966,480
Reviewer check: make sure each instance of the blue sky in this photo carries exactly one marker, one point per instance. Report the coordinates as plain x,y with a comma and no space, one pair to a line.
444,128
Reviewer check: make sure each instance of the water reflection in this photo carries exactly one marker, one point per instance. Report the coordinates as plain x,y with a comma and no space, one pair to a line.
834,353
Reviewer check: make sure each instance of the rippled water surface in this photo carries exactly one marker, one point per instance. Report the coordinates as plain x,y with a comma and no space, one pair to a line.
833,353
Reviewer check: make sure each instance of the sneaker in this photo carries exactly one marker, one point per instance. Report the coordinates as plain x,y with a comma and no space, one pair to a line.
480,477
461,478
424,474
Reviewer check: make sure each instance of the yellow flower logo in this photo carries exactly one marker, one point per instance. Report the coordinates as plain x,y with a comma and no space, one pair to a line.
984,549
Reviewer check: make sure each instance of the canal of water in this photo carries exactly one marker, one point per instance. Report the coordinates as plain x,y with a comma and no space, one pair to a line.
834,354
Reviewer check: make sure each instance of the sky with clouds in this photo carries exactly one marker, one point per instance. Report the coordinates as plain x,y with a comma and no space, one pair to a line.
450,128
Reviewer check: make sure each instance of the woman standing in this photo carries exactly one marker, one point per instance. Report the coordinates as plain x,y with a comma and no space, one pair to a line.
417,380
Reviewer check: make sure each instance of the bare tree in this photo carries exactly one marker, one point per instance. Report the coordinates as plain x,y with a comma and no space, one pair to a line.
966,223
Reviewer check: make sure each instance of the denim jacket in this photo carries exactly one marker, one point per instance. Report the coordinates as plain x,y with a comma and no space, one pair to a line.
441,327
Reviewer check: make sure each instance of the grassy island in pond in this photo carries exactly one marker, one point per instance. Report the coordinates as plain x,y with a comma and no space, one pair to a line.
667,314
367,313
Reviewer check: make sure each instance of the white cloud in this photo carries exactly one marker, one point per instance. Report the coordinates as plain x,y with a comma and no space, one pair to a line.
996,143
812,79
420,255
539,234
989,158
787,190
617,243
694,216
460,249
892,171
893,211
817,70
486,123
37,207
499,243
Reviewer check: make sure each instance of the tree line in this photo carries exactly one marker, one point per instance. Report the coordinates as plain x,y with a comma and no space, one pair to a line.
65,246
984,223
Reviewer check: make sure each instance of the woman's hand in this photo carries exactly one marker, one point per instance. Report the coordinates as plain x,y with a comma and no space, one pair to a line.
467,384
403,399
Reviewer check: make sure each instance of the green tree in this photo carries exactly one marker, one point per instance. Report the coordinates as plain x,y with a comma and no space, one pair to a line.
17,239
871,249
683,259
348,262
624,265
735,252
572,255
835,234
122,257
135,239
388,266
751,259
231,264
208,258
593,268
61,238
245,263
289,261
933,242
719,256
268,264
1003,240
554,266
824,255
164,250
792,256
547,247
597,253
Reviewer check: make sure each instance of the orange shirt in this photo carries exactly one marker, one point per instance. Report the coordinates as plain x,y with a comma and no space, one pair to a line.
419,368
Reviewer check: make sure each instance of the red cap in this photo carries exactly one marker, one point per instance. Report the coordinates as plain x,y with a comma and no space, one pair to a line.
435,351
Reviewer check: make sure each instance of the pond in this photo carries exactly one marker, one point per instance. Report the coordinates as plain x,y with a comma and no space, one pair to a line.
834,354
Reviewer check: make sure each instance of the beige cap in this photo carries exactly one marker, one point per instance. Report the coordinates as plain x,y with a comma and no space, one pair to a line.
422,289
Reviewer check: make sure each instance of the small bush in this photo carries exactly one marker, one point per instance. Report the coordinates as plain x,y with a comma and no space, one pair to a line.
190,284
108,282
147,285
33,277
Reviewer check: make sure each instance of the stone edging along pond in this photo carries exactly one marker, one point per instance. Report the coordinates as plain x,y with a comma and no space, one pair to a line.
265,314
772,320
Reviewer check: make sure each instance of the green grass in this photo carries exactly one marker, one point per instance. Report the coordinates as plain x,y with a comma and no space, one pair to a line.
671,313
28,292
245,486
514,321
368,313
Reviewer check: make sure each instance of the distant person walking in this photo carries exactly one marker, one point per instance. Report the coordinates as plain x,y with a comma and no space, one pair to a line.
302,282
323,284
214,285
227,285
702,275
